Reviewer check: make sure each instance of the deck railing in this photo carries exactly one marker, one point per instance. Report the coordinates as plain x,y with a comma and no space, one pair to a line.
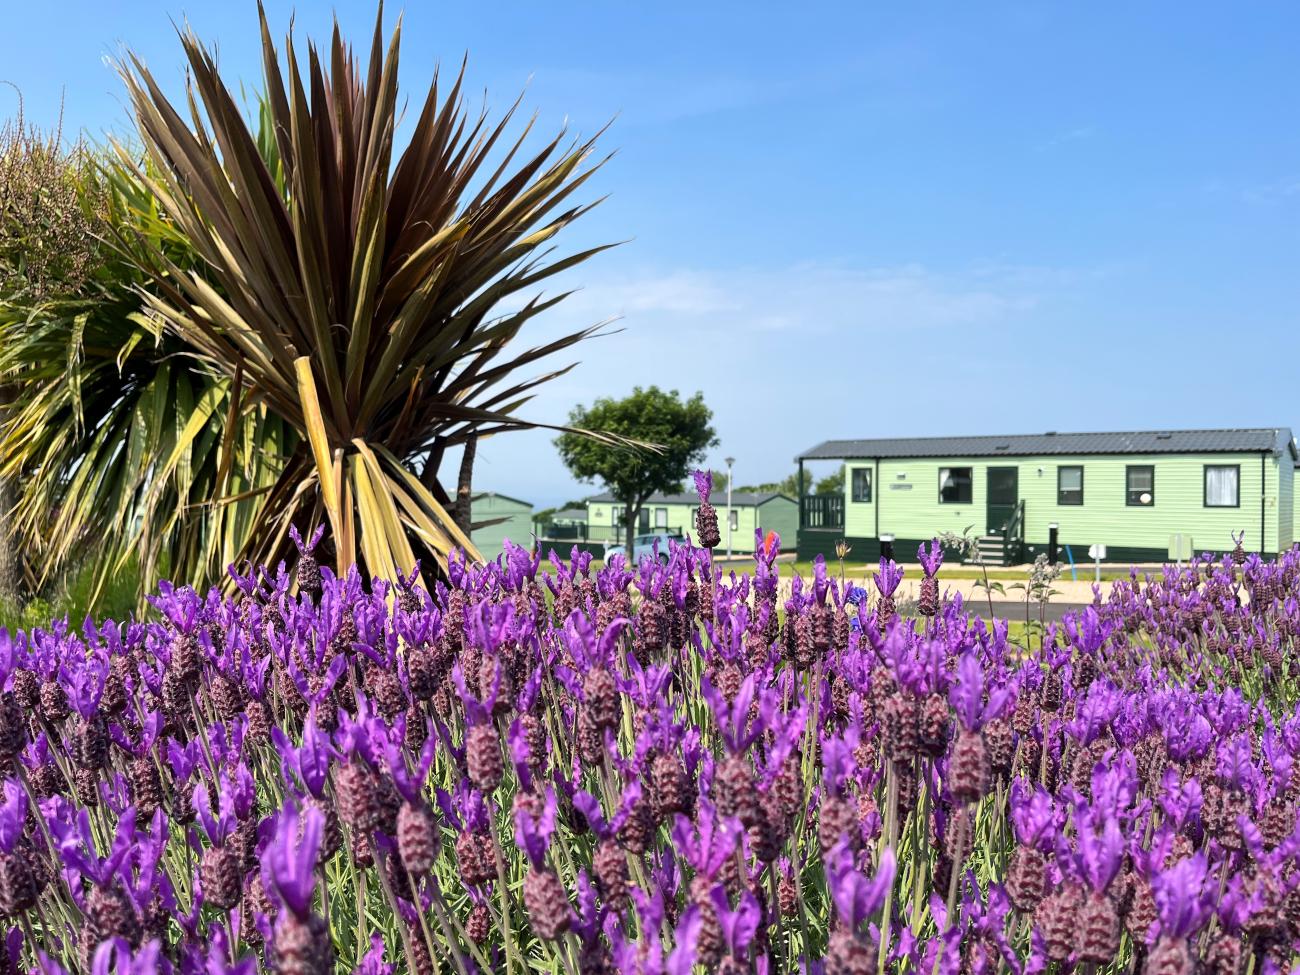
577,533
1015,532
823,512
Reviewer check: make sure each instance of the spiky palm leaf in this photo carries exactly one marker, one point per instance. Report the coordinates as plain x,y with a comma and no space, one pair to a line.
116,437
360,296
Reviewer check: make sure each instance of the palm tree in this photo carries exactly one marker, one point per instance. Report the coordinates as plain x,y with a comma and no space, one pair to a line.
113,438
358,293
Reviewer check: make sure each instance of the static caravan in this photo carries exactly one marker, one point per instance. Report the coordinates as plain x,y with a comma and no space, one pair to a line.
675,514
1138,494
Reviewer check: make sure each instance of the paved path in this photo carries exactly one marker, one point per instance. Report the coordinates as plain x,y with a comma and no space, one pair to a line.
1067,591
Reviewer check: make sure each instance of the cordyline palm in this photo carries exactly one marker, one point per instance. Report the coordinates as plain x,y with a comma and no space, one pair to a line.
355,294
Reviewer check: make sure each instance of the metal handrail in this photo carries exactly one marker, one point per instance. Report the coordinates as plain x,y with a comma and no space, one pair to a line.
1014,535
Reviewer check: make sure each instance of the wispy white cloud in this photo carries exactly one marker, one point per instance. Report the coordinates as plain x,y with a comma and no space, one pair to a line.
818,298
783,355
1078,133
1262,193
1277,191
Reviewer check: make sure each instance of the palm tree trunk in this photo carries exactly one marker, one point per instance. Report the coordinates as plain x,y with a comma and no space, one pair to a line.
463,486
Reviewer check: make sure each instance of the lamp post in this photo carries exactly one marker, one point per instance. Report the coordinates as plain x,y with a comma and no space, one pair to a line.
730,461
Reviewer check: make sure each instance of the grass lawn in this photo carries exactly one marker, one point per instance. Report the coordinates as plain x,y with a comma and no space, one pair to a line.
859,571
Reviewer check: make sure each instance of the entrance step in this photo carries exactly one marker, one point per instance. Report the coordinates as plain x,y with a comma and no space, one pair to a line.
992,550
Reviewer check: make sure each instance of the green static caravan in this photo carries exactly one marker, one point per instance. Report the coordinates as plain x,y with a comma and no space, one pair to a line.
1139,494
675,515
510,519
1295,506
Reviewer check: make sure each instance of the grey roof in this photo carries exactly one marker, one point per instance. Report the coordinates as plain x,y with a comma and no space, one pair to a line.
739,499
488,495
1273,440
571,514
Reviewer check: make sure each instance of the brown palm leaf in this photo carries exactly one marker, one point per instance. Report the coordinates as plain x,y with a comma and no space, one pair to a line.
358,295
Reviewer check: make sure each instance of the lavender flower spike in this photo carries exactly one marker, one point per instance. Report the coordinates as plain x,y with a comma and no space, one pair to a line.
289,868
857,898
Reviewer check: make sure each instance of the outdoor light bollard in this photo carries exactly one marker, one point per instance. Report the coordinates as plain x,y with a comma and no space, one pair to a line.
1052,529
887,547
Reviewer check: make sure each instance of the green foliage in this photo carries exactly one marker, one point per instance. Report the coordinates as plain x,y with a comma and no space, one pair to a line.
788,485
73,598
116,438
681,431
47,219
832,483
547,515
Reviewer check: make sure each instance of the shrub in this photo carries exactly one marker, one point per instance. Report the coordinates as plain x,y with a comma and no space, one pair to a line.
652,770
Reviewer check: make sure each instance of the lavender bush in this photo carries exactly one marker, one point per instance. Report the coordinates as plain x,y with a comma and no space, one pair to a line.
659,770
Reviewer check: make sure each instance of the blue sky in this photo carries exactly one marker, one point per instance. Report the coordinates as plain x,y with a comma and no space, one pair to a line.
918,219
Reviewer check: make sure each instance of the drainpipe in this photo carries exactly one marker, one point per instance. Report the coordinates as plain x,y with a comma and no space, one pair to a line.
879,495
1263,495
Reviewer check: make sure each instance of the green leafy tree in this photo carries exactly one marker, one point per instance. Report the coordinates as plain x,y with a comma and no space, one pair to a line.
831,483
46,247
788,485
680,430
546,516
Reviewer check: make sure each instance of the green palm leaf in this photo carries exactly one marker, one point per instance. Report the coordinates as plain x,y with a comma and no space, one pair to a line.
125,447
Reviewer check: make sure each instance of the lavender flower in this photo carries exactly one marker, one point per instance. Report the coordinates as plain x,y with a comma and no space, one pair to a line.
289,868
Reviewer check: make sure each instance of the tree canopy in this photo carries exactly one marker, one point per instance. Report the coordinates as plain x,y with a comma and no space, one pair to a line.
832,483
681,431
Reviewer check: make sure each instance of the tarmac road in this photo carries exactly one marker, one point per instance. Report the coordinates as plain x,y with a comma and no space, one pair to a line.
1016,611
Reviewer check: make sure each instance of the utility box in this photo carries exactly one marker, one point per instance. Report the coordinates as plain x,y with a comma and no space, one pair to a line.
1180,547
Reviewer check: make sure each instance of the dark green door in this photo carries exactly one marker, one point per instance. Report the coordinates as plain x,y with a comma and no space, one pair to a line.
643,521
1003,494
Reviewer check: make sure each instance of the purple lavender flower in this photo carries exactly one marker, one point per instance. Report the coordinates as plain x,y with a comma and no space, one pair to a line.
309,762
373,962
888,578
1035,816
533,836
931,561
703,484
855,896
289,866
13,815
1184,895
967,695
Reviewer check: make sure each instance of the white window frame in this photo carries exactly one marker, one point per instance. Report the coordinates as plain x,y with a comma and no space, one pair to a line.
1235,470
